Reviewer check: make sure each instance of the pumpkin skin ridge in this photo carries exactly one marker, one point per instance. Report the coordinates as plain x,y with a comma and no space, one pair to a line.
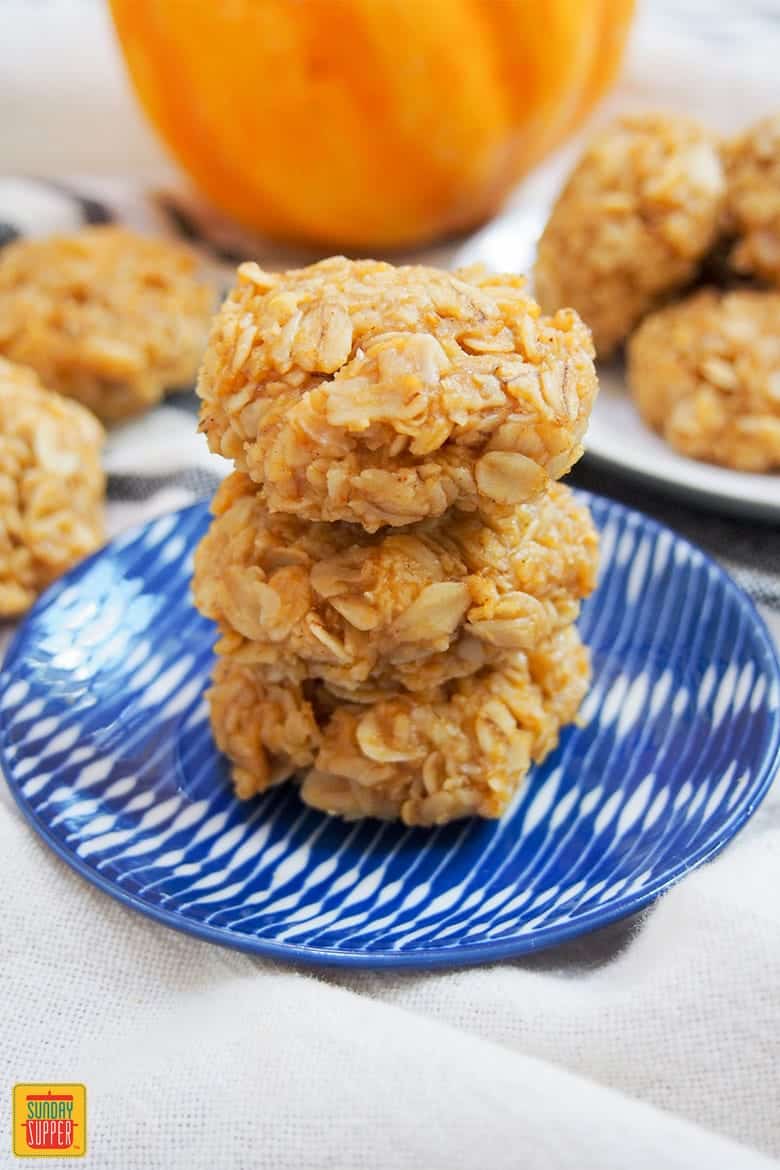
296,231
457,219
434,188
445,158
162,102
544,127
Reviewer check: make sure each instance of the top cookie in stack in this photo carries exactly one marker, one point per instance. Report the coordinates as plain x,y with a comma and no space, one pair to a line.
378,395
394,573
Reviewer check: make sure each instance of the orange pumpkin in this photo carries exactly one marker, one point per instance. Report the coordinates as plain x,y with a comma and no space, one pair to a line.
366,123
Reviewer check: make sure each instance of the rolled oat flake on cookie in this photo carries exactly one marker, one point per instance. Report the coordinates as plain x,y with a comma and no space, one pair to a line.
358,391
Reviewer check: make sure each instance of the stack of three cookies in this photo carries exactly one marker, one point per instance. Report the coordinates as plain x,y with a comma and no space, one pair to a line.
394,571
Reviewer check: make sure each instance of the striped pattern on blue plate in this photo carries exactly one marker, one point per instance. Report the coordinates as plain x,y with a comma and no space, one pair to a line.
106,746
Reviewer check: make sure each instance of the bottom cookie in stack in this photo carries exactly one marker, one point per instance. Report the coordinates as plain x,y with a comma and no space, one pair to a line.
459,749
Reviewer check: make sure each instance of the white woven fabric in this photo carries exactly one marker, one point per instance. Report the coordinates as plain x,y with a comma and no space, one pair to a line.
586,1057
653,1044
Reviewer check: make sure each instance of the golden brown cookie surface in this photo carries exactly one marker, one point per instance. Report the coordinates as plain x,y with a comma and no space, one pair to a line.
458,750
705,372
106,316
51,486
753,199
362,392
412,607
636,216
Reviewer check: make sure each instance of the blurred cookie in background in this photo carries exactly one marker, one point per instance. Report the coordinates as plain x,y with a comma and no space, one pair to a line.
105,315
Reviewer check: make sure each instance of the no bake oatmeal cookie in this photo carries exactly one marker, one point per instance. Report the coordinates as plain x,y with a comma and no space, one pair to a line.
357,391
106,316
51,486
411,607
462,749
705,372
393,571
753,199
635,218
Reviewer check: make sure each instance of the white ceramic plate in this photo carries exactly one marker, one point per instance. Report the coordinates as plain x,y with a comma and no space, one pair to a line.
617,437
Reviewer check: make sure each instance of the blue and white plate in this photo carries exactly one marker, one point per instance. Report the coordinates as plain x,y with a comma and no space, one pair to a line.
106,746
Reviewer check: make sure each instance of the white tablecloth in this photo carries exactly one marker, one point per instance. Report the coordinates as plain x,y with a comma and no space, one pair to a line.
653,1044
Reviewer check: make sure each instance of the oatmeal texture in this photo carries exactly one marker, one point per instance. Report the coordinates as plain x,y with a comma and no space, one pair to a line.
393,570
633,222
753,199
461,749
412,607
106,316
705,372
51,486
357,391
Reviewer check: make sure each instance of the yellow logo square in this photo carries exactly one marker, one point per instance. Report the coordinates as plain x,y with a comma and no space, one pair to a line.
49,1121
